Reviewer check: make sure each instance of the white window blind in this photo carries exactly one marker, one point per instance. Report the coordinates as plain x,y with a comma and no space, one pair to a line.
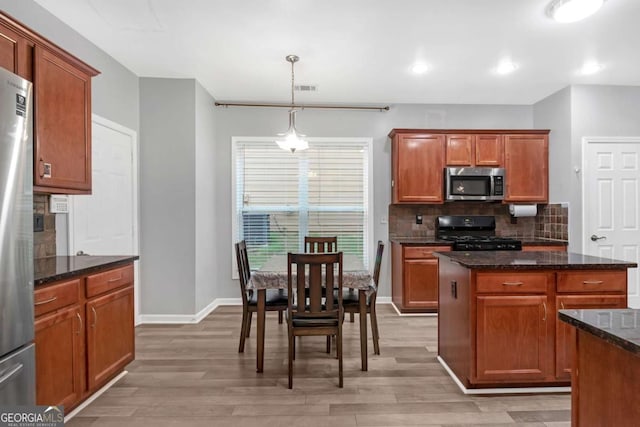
280,197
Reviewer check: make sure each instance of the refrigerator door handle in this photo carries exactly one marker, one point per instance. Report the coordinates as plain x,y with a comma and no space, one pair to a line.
6,375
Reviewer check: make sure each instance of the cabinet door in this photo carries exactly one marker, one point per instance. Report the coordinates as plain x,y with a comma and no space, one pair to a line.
526,159
565,333
110,335
62,155
459,150
418,169
489,151
421,283
513,338
16,53
60,357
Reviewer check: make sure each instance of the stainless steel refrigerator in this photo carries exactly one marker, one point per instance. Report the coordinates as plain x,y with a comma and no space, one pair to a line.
17,352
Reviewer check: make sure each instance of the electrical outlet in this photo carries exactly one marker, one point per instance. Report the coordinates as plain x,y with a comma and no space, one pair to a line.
38,222
418,219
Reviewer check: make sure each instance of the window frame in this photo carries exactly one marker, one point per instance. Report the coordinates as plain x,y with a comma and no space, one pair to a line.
368,227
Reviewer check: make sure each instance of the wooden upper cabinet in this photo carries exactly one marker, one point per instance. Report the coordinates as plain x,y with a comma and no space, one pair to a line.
62,143
526,159
474,150
460,150
489,151
16,51
418,163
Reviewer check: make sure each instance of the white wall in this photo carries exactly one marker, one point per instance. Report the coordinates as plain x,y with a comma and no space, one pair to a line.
167,196
342,123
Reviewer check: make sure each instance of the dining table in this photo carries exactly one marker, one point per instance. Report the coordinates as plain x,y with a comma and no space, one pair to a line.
273,275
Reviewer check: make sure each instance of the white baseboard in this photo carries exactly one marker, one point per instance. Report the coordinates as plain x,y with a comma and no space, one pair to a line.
188,318
93,397
413,314
502,390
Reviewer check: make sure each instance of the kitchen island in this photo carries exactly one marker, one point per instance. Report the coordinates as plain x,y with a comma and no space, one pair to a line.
497,323
607,350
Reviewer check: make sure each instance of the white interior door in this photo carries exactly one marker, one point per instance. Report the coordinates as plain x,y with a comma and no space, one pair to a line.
611,197
105,222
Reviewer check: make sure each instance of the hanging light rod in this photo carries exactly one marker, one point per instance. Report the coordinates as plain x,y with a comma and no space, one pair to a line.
301,106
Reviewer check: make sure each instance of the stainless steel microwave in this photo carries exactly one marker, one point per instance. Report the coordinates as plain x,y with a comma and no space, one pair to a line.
483,184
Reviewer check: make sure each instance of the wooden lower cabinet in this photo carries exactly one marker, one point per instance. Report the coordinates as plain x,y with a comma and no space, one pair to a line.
500,328
82,343
513,338
110,337
60,357
415,277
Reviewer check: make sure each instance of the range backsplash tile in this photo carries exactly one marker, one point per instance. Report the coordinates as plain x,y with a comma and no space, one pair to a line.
551,222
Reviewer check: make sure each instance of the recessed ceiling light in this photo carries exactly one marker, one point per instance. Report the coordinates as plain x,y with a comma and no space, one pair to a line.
419,68
506,67
589,68
573,10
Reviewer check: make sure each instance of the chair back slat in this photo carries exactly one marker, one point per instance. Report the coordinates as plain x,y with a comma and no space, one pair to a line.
376,269
320,244
244,270
313,273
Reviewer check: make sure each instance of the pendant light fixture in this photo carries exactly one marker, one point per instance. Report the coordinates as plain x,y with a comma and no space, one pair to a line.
291,140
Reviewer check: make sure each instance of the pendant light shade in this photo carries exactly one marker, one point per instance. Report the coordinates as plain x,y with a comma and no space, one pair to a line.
291,140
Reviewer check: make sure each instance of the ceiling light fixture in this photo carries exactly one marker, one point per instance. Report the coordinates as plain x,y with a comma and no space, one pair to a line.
419,68
506,67
573,10
292,140
590,68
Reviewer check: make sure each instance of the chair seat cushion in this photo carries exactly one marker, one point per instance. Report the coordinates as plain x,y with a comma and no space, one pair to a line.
273,297
314,321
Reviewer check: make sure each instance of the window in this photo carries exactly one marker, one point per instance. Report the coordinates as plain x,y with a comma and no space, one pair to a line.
280,197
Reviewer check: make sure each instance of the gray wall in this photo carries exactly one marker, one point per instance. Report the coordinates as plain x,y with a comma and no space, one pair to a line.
342,123
205,204
574,113
167,196
114,93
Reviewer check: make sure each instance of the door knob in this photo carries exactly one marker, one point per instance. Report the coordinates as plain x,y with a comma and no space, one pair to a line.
81,253
595,238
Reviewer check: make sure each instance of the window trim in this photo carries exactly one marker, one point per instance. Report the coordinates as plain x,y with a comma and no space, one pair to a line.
369,227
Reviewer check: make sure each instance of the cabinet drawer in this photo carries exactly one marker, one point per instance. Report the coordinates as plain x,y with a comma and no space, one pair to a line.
424,251
53,297
109,280
525,282
592,281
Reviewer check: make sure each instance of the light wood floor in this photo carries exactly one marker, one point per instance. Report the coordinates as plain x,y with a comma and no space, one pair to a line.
193,375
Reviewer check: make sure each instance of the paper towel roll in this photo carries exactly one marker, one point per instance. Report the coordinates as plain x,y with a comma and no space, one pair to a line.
523,210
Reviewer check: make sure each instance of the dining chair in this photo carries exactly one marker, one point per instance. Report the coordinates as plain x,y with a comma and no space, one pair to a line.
320,244
276,299
315,314
351,300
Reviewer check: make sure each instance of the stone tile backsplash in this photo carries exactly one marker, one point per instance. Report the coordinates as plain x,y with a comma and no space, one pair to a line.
44,242
551,222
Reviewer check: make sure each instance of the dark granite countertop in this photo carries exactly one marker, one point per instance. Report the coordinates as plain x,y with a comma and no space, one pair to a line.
50,269
620,327
432,241
532,260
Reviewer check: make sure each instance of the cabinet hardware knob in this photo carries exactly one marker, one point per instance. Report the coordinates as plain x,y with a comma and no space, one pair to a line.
592,282
47,301
115,279
41,167
81,324
513,283
95,317
562,305
544,306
